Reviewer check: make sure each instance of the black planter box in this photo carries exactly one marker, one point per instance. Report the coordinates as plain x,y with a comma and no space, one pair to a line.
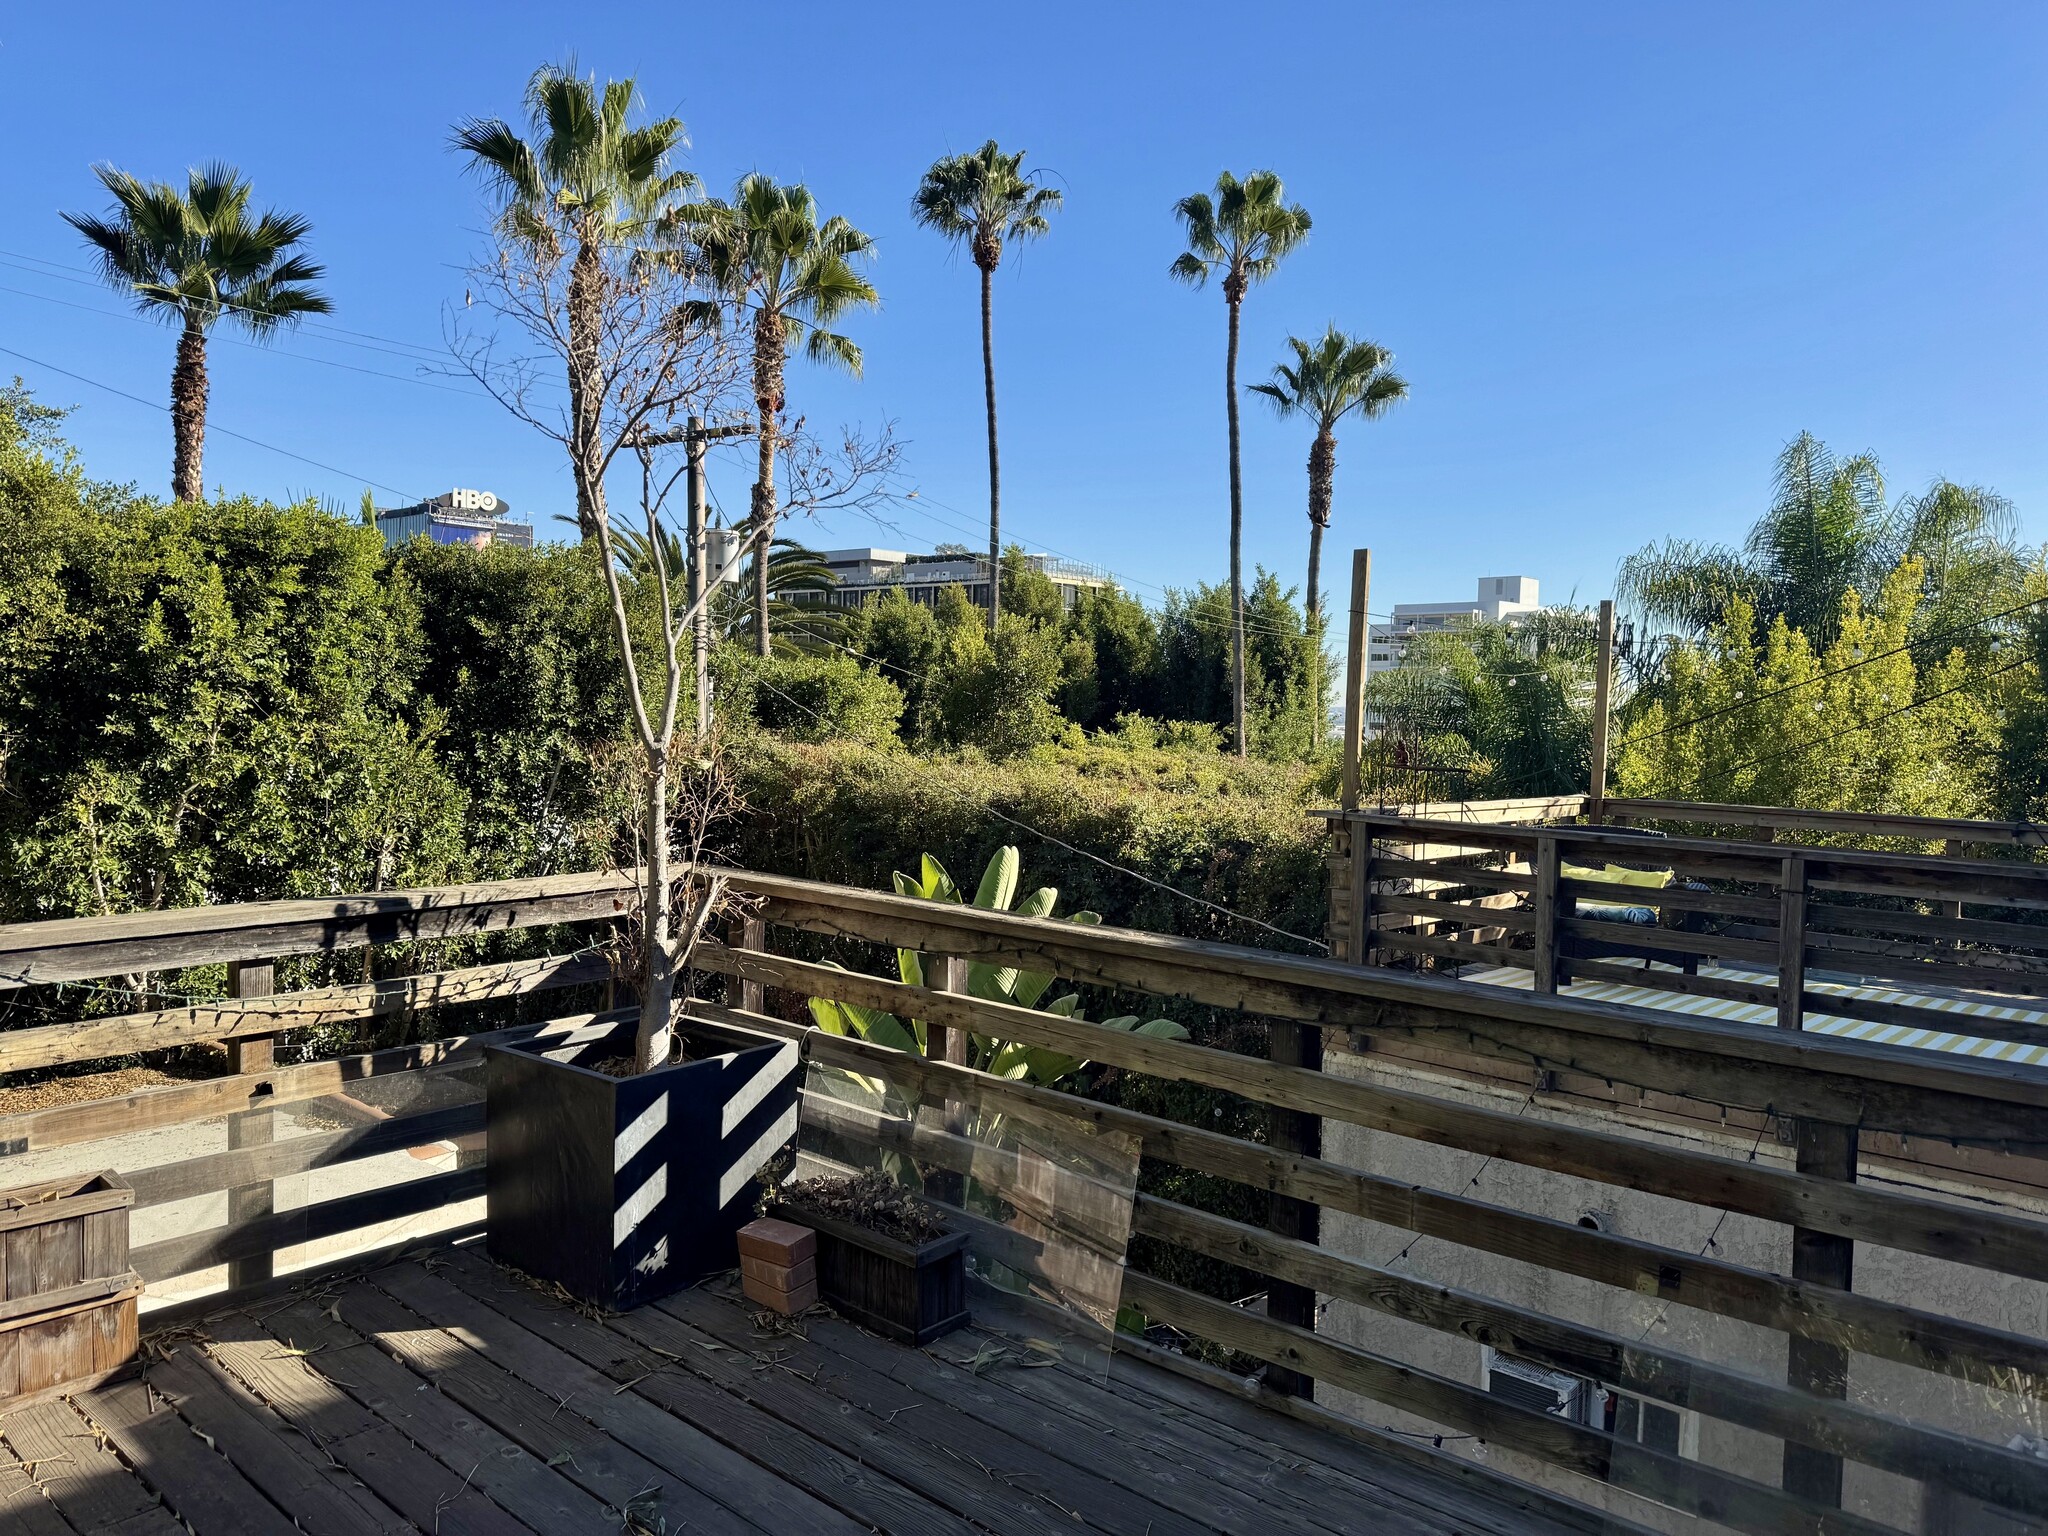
910,1294
623,1189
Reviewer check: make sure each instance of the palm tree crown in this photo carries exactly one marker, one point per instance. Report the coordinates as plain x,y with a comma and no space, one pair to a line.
1334,377
1827,530
193,258
1242,232
767,249
981,200
591,189
584,167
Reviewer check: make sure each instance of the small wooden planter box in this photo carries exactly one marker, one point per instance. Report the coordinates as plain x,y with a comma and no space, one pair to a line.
910,1294
67,1295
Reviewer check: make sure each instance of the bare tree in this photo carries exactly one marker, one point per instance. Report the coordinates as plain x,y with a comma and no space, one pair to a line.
591,276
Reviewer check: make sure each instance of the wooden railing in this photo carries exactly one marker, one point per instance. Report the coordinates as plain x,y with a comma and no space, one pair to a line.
1858,1116
1752,923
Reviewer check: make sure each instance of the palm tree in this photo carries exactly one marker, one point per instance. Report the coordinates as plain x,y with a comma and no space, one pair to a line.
981,200
1827,530
193,258
767,251
586,187
1241,233
1331,379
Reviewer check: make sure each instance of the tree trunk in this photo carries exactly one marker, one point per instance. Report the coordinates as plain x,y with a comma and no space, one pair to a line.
995,475
657,987
586,400
768,356
1235,300
188,415
1322,474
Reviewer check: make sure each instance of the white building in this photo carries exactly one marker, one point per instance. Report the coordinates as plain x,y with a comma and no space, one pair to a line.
866,573
1500,597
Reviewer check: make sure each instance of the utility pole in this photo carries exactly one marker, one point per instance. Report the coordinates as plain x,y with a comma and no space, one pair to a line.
693,440
1357,642
695,437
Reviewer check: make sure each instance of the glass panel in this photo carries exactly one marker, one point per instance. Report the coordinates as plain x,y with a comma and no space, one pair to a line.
1045,1197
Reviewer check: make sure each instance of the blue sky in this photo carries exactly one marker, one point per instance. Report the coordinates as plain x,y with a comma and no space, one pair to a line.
1621,252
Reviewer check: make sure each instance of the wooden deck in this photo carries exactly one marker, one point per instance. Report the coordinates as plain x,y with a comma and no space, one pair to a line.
443,1395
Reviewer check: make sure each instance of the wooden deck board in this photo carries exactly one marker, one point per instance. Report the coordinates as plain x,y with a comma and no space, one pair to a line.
1053,1458
447,1395
83,1478
321,1495
24,1507
862,1492
748,1490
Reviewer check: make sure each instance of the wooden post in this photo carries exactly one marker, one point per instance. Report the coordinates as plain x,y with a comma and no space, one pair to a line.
1357,644
253,1127
1603,686
1792,942
1360,936
1301,1045
750,933
1543,903
1954,850
947,973
1820,1258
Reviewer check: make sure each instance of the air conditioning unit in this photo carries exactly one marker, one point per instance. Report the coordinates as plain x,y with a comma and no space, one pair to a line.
1534,1386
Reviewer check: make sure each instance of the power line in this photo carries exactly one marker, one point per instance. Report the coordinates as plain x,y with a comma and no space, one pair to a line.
1818,677
1057,842
1876,720
326,329
223,431
302,357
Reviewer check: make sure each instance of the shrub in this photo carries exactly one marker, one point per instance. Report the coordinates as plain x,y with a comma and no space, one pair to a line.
808,698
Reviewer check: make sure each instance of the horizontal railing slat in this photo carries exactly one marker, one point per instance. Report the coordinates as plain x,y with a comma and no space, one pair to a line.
1692,1486
49,1045
1991,1357
1985,1239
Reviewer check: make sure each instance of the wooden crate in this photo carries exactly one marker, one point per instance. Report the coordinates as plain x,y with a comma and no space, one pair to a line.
67,1293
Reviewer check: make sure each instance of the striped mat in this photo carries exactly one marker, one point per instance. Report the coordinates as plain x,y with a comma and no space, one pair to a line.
1819,1023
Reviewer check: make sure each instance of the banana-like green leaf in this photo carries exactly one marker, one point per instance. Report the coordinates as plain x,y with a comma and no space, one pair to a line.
1040,902
1030,987
1158,1029
910,966
938,885
1085,918
1048,1067
829,1018
905,886
1068,1007
999,880
990,983
887,1029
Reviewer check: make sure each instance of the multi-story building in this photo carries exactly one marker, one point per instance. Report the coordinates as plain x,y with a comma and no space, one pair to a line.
865,573
456,517
1500,597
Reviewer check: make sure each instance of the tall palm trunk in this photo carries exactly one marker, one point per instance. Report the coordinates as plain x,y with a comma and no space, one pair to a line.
586,398
769,334
1233,296
188,414
995,472
1322,474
